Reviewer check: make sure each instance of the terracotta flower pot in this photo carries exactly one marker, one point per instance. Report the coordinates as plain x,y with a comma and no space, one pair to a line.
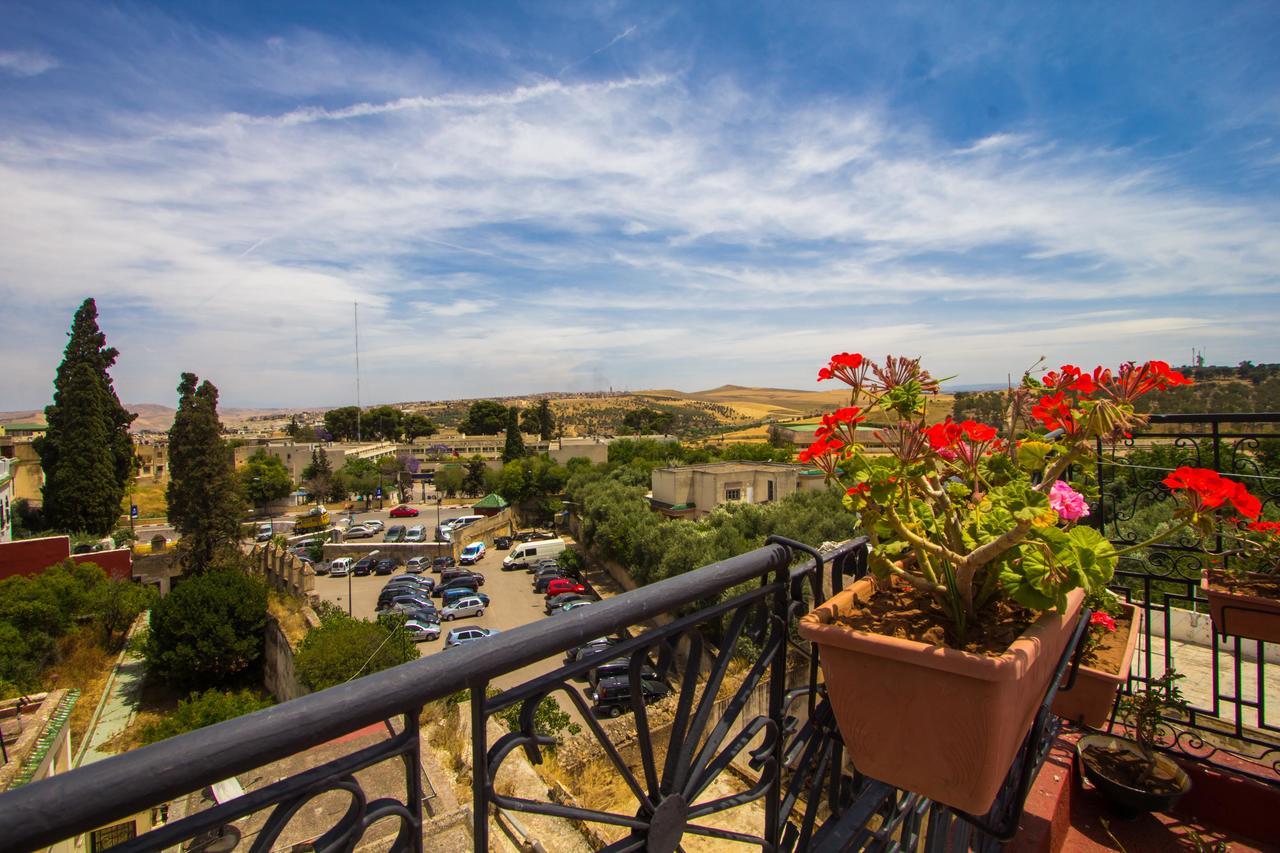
1090,699
930,719
1254,617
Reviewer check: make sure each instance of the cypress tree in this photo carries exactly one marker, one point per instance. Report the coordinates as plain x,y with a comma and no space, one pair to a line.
204,496
514,448
545,420
87,438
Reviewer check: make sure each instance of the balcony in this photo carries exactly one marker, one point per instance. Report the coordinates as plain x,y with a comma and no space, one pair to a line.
746,750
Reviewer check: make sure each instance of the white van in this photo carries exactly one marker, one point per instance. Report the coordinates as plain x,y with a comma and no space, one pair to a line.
340,567
462,521
526,554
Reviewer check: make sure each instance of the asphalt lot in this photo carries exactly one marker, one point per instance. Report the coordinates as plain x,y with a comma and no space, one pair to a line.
512,602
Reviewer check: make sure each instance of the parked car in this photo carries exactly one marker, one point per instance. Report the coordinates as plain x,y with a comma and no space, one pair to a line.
374,524
612,696
264,532
462,636
501,543
456,583
403,511
439,564
570,606
410,582
472,554
526,554
467,605
417,533
421,630
618,667
407,603
385,566
358,531
455,524
417,565
340,567
395,533
422,614
541,582
362,567
450,574
598,646
557,602
560,585
452,595
533,535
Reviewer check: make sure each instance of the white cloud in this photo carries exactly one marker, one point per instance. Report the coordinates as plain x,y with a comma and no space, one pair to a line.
515,239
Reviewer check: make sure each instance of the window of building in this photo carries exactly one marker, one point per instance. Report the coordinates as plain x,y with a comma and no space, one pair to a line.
733,494
771,490
110,836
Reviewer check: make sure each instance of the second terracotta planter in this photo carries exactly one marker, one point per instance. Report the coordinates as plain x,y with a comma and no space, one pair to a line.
938,721
1090,699
1251,616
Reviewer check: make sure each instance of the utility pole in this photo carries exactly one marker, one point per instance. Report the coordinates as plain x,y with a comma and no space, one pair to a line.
356,307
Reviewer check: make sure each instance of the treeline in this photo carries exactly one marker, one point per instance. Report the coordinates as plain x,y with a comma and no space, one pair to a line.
384,423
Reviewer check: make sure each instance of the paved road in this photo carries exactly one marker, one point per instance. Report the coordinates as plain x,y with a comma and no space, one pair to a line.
512,602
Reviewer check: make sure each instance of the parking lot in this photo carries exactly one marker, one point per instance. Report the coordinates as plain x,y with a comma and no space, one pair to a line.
512,602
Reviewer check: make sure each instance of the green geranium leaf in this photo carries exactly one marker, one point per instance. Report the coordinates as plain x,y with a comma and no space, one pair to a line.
1095,557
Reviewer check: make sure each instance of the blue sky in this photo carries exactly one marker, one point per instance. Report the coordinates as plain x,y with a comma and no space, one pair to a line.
534,197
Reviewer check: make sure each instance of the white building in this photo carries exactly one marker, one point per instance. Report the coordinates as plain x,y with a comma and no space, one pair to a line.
6,501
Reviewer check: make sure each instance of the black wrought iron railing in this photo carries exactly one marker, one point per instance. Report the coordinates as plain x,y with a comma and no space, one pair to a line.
1232,684
747,727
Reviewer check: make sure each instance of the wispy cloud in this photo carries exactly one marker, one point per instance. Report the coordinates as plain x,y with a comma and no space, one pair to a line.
25,63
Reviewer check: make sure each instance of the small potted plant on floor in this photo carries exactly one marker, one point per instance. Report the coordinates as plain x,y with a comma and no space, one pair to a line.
936,667
1244,590
1131,773
1108,650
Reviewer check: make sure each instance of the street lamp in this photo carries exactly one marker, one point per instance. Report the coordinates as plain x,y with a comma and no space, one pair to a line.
350,607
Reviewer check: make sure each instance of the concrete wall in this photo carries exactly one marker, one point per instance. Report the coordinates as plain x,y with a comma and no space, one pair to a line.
709,486
32,556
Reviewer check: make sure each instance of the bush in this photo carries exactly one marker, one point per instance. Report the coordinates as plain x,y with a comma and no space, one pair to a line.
204,709
37,611
548,719
343,648
209,630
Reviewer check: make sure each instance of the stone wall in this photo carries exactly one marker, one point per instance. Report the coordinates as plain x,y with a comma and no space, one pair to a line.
282,571
484,531
277,663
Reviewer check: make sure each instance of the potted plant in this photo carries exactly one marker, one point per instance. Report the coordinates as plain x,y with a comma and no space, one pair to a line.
1109,644
1130,773
936,667
1244,590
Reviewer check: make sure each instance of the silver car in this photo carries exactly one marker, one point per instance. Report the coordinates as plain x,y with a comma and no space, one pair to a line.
357,531
417,533
462,636
468,605
421,630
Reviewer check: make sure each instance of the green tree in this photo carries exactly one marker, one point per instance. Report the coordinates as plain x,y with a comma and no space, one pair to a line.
539,420
204,497
294,429
318,477
383,422
485,417
359,477
473,482
85,422
343,423
209,630
449,479
204,709
417,426
343,648
514,448
264,478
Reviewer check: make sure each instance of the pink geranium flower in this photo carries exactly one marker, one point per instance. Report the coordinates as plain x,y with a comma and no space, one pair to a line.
1067,502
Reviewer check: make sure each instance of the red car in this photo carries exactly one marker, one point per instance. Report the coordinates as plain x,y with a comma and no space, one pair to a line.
563,585
403,511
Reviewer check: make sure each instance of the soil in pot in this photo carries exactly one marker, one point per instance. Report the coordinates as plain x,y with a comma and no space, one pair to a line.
1245,606
1133,771
909,614
1261,586
1108,655
1102,672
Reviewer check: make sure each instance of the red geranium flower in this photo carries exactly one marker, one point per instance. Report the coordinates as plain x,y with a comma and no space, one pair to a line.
849,367
1055,413
822,453
1207,490
1101,618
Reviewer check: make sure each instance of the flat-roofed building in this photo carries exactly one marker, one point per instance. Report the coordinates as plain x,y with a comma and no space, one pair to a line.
693,491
